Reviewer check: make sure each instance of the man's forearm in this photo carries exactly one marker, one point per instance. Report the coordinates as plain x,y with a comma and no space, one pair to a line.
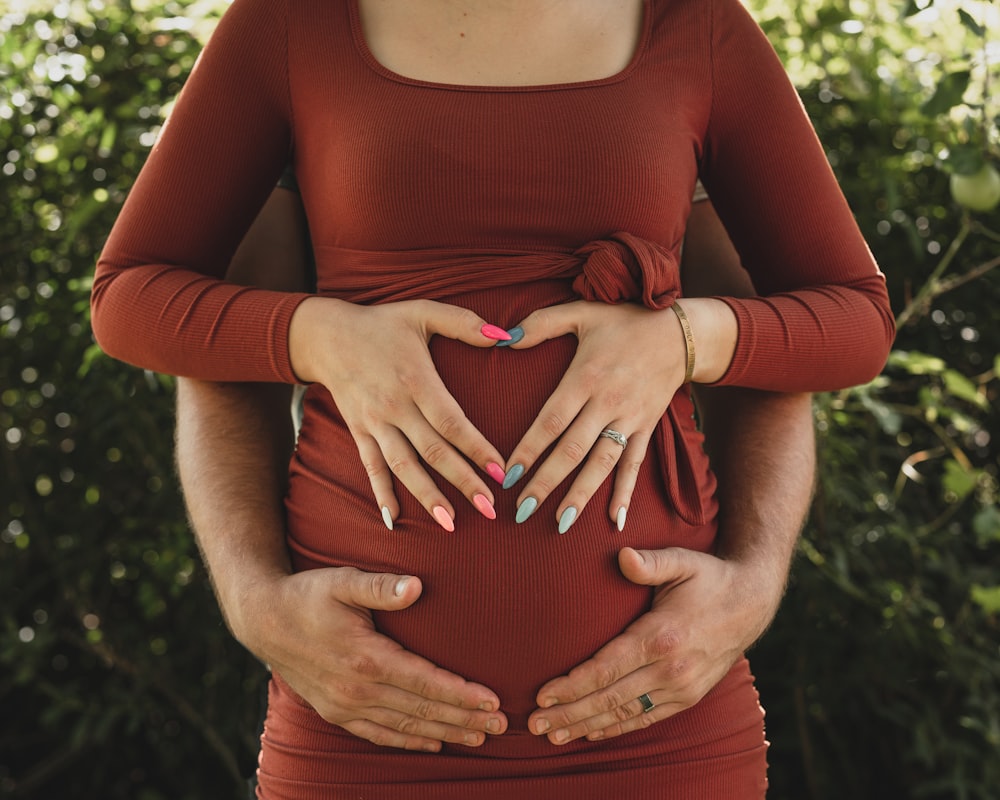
233,446
763,451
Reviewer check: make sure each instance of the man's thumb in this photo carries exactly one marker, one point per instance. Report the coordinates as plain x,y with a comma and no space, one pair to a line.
655,567
381,591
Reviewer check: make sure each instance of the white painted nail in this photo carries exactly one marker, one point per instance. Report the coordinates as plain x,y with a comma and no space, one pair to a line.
387,517
620,518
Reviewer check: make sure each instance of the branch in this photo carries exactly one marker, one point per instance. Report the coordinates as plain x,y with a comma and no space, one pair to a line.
929,290
958,280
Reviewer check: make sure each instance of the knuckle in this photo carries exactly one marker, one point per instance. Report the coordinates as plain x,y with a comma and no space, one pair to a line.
408,724
450,426
375,468
607,461
573,451
630,467
387,406
355,694
363,665
424,710
436,453
613,396
400,464
663,644
552,424
645,720
609,703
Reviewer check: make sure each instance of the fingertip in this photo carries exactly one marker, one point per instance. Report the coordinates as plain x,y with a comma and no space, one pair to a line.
513,336
496,333
631,561
444,519
407,588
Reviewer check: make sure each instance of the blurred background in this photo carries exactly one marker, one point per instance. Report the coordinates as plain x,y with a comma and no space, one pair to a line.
881,675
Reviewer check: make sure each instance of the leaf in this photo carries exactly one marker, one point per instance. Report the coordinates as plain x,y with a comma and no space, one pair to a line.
969,22
960,386
948,94
888,419
986,525
965,159
916,363
986,597
959,480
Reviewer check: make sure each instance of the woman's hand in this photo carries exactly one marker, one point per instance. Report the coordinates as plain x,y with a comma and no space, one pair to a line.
375,362
674,654
314,628
629,363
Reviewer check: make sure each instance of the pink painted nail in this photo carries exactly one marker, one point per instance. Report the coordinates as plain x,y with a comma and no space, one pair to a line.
493,332
495,471
482,502
443,518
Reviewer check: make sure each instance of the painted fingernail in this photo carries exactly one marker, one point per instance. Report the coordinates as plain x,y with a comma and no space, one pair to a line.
387,517
567,518
526,509
495,471
444,518
514,335
484,506
620,518
495,333
513,475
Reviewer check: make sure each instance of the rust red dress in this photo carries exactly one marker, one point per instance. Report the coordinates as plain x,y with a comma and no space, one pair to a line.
503,200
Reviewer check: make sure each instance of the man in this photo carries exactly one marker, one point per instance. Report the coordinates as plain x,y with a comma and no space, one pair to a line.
314,627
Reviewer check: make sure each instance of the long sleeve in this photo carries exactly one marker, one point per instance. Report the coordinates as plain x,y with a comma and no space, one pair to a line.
779,200
158,300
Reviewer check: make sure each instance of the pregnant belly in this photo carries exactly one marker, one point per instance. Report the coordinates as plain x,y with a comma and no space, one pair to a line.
504,604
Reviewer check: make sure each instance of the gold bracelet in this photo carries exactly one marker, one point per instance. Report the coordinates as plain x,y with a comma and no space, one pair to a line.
688,340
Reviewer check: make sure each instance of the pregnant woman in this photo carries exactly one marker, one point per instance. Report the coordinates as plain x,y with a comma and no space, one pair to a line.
483,171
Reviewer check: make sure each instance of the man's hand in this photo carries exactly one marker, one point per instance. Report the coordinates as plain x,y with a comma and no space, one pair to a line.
706,612
315,629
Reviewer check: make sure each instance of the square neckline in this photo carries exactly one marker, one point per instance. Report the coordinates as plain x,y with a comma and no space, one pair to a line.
361,45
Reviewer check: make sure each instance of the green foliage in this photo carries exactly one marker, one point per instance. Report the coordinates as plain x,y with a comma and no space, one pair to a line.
117,677
881,675
884,659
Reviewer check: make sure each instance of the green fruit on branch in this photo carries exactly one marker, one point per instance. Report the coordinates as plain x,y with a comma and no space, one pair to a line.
979,191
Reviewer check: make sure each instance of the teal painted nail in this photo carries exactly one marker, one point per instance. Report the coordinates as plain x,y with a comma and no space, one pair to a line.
516,335
526,509
567,518
513,475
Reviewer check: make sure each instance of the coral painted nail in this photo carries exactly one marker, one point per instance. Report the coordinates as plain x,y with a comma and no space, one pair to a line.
495,333
443,518
484,506
495,471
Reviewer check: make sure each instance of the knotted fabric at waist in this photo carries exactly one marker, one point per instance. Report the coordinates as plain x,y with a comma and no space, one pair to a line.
622,268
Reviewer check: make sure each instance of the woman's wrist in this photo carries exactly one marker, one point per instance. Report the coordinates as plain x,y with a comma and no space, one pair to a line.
311,317
707,329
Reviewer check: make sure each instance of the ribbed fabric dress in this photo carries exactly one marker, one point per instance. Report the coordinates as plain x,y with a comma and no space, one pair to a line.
503,200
